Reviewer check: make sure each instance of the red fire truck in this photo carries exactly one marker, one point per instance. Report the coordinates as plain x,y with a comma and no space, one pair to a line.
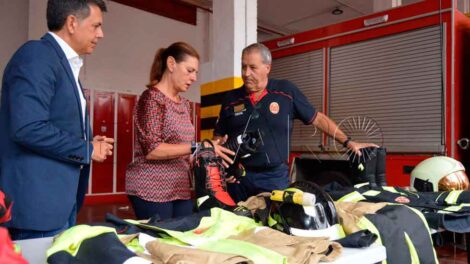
406,69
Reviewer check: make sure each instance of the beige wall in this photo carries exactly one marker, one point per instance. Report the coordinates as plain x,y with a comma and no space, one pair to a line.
122,60
13,29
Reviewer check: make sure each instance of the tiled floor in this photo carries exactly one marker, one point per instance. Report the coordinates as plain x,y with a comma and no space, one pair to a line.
451,255
96,213
447,254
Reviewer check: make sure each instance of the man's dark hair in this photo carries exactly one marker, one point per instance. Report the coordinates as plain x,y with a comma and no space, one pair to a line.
59,10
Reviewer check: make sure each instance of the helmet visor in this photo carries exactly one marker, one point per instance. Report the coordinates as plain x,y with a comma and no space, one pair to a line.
455,181
307,217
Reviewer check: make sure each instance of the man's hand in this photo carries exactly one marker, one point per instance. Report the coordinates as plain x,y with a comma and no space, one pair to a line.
357,146
104,138
223,152
220,140
102,147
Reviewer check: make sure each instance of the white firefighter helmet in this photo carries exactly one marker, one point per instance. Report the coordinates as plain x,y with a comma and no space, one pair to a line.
439,174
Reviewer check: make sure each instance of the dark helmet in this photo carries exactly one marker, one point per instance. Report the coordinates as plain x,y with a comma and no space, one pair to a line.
313,216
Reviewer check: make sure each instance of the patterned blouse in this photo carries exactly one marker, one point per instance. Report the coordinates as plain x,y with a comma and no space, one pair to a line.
160,120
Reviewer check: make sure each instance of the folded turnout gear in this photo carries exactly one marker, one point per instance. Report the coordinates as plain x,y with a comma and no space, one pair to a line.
90,244
359,239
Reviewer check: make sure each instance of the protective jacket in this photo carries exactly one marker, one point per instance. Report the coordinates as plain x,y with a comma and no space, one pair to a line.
399,228
221,237
448,210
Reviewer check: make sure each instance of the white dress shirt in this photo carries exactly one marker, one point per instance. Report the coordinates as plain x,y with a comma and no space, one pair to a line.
75,62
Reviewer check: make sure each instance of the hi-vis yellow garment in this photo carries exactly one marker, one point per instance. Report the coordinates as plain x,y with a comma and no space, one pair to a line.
295,250
298,250
162,253
228,233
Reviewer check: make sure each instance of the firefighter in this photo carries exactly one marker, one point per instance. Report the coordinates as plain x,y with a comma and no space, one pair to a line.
269,106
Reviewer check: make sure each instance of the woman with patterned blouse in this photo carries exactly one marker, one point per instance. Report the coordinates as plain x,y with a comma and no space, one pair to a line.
158,181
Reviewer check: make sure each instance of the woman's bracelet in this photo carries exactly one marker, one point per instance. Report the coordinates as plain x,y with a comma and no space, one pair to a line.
194,147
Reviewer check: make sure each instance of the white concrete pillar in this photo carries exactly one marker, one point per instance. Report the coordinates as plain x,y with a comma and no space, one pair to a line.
234,26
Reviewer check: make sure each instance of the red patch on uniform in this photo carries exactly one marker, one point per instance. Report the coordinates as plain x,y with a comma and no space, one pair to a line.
402,199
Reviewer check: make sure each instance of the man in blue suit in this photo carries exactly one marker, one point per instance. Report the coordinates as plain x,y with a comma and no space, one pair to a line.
46,144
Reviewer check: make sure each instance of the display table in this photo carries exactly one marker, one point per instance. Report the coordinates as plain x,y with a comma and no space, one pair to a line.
34,251
372,254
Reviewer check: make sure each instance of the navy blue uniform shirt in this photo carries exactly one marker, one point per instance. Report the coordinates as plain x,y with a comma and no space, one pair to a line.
273,116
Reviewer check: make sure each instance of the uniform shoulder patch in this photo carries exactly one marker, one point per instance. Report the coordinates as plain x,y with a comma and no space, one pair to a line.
274,108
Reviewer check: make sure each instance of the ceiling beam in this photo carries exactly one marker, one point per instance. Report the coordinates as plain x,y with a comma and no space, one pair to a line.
167,8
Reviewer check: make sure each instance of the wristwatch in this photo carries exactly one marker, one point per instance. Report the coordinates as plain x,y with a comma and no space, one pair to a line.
346,142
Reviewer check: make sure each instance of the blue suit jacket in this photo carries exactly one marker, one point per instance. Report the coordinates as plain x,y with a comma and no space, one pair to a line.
43,151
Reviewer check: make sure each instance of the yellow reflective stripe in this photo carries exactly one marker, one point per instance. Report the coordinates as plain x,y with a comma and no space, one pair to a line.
443,212
207,134
222,85
425,222
71,239
412,249
210,111
134,245
352,197
293,189
271,221
359,185
389,189
364,224
340,231
201,200
454,208
452,197
371,193
439,196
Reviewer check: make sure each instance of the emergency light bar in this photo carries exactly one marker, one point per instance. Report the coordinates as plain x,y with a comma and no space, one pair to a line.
286,42
375,20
